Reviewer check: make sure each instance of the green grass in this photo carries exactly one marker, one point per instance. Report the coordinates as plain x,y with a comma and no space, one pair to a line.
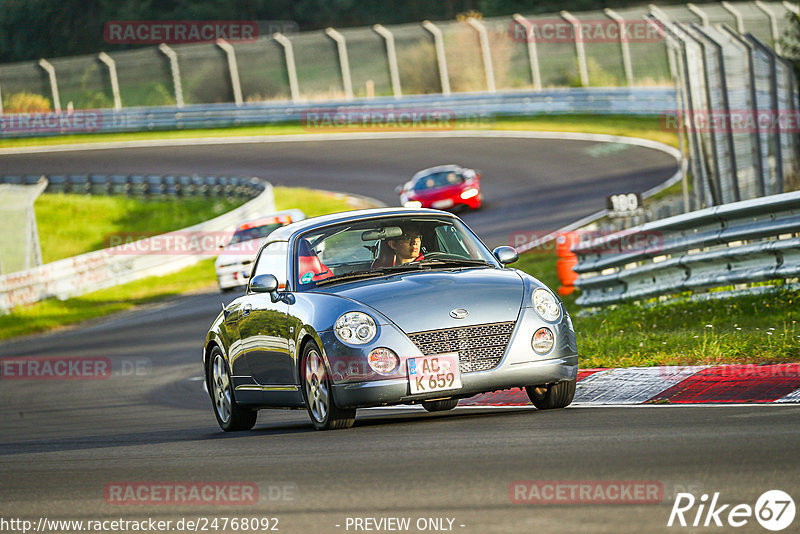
645,127
74,224
53,314
750,328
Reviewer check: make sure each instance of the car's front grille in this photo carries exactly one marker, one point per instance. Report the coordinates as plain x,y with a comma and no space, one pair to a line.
479,347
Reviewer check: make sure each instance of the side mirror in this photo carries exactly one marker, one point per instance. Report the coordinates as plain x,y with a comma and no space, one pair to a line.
398,189
505,255
264,283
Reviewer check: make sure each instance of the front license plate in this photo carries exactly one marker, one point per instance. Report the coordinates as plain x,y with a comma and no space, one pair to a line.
434,373
439,204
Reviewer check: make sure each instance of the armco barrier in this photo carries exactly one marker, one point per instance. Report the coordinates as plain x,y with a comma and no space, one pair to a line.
144,186
606,100
105,268
737,243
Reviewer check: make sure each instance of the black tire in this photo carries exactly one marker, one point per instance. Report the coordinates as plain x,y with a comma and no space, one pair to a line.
551,396
440,405
230,416
316,385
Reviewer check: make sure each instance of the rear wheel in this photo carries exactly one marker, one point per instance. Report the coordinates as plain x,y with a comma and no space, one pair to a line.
318,393
550,396
440,405
229,414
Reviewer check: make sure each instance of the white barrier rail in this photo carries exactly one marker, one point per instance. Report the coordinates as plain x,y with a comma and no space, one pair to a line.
109,267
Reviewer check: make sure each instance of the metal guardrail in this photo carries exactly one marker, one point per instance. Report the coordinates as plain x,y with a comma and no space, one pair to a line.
737,243
142,186
117,265
470,106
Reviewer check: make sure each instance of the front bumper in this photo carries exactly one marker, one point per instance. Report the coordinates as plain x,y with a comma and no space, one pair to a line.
396,391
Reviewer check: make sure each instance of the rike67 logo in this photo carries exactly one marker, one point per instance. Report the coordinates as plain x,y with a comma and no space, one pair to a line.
774,510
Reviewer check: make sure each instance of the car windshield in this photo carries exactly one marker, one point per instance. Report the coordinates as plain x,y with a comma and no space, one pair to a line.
375,247
438,179
255,232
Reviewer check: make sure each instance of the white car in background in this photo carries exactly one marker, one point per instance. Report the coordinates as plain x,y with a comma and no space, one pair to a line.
235,259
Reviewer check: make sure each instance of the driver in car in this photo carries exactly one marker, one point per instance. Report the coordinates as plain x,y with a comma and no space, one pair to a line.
400,250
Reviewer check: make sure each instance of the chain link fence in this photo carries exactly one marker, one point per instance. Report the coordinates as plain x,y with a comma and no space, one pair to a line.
737,116
499,53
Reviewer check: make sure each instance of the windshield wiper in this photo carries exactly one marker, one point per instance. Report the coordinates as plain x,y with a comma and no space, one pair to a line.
353,276
455,261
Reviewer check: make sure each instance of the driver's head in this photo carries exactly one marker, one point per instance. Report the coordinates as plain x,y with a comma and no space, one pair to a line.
407,247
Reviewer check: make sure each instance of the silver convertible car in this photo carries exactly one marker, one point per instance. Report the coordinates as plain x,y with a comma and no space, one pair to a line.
383,307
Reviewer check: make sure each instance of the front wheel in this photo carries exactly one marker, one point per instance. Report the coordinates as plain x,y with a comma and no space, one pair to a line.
550,396
440,405
229,414
318,393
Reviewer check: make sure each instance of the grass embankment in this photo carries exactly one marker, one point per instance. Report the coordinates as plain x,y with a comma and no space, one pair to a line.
622,125
754,328
74,224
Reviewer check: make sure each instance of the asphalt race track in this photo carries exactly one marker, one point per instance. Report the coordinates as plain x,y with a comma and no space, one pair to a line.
530,185
67,447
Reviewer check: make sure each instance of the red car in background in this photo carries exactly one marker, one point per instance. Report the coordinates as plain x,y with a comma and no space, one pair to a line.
443,187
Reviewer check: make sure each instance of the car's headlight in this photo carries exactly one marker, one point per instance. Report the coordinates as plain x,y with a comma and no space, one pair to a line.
469,193
383,361
356,328
546,305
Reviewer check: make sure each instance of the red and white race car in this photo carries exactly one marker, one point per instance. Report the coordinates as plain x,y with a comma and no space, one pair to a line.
443,187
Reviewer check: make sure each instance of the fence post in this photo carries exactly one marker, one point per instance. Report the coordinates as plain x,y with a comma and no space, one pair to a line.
112,74
701,181
488,68
51,73
291,71
391,57
726,113
773,24
176,72
736,14
623,44
438,42
344,62
700,13
579,50
774,106
751,76
533,55
233,69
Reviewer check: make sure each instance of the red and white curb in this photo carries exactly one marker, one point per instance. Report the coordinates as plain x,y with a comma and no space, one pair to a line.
703,384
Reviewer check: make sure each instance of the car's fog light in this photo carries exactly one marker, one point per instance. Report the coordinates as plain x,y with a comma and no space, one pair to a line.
542,340
383,361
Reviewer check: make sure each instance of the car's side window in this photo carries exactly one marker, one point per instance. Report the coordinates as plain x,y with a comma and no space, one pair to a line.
273,261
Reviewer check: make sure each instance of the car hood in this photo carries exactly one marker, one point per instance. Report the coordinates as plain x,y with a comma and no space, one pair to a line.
422,300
